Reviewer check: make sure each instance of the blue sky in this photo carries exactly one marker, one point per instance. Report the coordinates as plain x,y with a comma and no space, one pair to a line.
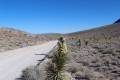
59,16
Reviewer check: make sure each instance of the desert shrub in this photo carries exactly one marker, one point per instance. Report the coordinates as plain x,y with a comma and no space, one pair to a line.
86,42
37,72
29,74
80,72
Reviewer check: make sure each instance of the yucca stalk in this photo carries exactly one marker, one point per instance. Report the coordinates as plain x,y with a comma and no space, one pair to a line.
57,63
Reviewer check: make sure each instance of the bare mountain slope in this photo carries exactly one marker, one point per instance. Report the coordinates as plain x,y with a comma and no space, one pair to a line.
104,32
11,39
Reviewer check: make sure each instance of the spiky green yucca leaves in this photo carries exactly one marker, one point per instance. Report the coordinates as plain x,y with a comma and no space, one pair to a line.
79,43
56,65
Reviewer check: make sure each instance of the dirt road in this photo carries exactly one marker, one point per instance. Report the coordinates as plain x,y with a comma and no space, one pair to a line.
14,61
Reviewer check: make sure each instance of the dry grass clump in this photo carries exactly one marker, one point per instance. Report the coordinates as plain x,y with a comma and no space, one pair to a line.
80,72
35,72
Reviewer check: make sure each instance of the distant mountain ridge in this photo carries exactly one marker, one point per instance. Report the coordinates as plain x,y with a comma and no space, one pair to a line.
118,21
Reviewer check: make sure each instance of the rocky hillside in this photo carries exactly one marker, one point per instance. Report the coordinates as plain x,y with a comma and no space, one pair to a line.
98,50
12,39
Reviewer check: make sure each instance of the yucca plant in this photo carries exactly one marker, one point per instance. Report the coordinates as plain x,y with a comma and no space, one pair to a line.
79,43
57,63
